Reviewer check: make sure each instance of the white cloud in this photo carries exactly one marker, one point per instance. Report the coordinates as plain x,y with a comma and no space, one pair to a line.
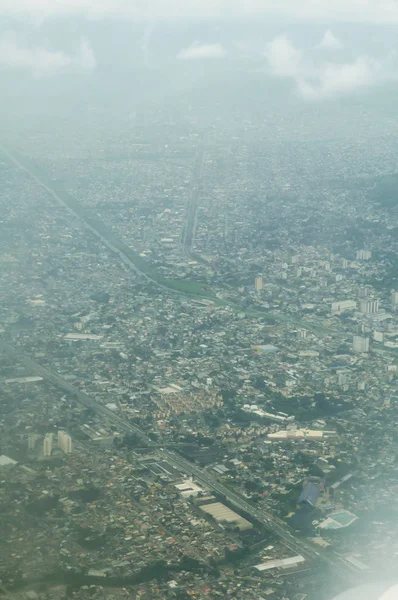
146,41
40,61
86,57
329,41
338,79
371,11
198,51
284,59
319,80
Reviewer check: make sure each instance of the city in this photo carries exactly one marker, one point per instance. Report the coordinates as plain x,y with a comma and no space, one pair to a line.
198,351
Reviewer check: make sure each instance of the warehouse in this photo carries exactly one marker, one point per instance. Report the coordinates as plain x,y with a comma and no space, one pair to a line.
222,513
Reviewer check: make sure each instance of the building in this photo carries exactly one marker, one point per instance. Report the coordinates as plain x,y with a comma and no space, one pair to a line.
364,255
369,306
300,434
394,300
343,305
301,334
258,283
282,563
378,336
342,378
64,442
31,441
188,488
223,514
309,495
6,461
360,344
48,444
361,328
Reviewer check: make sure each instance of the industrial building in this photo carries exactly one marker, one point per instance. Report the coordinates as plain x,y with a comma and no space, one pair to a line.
223,514
282,563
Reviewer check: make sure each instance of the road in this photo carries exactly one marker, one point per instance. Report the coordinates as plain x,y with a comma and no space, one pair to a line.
343,570
92,224
192,209
127,256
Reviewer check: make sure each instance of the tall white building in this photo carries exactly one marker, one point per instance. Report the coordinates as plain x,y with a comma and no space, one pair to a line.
48,444
342,379
301,334
64,442
258,283
369,306
364,255
31,441
394,300
360,344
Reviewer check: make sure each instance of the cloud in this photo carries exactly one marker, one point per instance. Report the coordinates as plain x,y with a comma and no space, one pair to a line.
198,51
370,11
329,41
86,57
284,59
146,41
14,55
338,79
316,80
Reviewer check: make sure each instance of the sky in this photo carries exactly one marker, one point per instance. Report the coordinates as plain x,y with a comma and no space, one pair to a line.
329,68
371,11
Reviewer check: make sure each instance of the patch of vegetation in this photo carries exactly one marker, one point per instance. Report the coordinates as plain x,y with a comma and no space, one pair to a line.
385,191
86,495
182,285
42,506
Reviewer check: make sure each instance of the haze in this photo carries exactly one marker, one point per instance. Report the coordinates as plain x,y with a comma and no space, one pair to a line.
198,299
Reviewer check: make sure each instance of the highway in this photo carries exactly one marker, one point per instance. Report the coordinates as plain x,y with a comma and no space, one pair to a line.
192,209
342,569
126,255
92,224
